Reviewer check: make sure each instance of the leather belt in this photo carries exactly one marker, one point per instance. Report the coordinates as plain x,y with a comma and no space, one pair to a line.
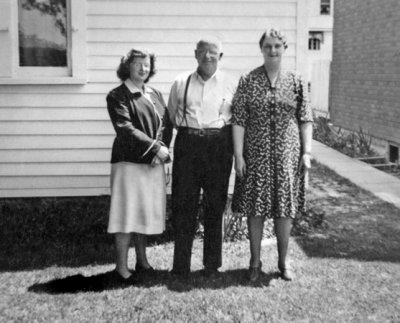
200,132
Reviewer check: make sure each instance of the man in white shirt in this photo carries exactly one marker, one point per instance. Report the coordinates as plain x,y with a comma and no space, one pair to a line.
200,108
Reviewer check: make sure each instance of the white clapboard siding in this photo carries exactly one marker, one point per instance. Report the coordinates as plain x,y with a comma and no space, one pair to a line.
10,128
55,140
219,9
177,36
21,114
70,181
55,155
54,191
53,100
39,169
204,23
89,88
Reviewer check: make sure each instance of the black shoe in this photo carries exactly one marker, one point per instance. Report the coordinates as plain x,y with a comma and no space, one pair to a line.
140,269
117,279
255,273
211,273
285,273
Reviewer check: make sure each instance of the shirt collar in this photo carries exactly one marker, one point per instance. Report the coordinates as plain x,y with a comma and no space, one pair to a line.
215,75
134,89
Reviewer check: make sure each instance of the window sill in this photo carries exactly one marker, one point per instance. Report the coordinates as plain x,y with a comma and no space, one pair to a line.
42,80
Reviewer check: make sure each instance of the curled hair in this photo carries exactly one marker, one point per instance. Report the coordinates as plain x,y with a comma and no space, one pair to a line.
275,33
123,71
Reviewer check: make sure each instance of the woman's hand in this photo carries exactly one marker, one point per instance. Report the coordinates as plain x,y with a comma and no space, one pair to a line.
306,161
162,156
163,153
240,166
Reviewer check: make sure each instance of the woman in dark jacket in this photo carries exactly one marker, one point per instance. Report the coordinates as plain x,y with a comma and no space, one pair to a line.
143,134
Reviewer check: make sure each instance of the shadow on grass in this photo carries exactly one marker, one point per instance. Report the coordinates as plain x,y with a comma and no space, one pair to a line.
71,254
45,255
367,234
349,248
106,281
36,233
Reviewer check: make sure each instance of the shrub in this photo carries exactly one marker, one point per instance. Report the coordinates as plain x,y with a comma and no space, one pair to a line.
353,144
69,222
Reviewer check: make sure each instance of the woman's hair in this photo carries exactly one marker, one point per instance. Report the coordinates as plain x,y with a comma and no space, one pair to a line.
275,33
123,71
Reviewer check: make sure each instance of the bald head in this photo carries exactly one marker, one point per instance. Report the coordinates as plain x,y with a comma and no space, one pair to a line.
208,53
210,40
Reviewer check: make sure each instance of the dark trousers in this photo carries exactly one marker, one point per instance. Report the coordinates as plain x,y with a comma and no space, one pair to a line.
200,162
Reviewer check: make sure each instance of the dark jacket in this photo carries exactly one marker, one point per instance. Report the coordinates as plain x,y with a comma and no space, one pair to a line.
139,131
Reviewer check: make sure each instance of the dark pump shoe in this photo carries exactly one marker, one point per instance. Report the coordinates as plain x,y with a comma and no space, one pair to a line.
140,269
255,273
116,278
285,273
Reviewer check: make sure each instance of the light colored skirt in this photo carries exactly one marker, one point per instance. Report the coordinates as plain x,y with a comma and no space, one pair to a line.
138,198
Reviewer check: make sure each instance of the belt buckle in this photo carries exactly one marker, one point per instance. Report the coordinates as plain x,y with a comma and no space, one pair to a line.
202,132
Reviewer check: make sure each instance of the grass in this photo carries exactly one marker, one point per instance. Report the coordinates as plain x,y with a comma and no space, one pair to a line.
347,269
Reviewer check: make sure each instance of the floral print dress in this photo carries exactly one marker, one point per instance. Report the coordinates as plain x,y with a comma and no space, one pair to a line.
273,185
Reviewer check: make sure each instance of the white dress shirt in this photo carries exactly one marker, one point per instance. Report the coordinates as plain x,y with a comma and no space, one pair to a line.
208,102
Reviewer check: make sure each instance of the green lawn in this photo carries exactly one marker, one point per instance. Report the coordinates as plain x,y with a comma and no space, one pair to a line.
347,270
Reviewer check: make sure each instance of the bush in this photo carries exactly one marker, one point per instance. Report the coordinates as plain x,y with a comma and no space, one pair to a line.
69,222
235,225
353,144
34,221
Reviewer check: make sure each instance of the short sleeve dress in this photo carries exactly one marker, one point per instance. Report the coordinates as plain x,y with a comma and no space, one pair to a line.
274,183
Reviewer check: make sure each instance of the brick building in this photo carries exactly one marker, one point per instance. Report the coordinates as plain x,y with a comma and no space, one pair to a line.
365,70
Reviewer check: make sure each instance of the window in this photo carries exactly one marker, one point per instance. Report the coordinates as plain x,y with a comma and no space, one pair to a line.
393,154
325,7
45,42
315,38
43,37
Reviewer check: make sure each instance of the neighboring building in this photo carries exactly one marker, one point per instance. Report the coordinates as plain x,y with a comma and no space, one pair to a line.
57,63
365,70
319,55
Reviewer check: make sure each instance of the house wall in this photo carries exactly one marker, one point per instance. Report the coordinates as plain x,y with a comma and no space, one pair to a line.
318,61
55,140
365,70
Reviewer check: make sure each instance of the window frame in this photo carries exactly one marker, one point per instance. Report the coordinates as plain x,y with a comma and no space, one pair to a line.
315,39
49,71
325,8
44,75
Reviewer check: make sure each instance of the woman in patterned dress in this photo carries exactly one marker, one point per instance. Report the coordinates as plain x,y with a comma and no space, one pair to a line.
272,135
